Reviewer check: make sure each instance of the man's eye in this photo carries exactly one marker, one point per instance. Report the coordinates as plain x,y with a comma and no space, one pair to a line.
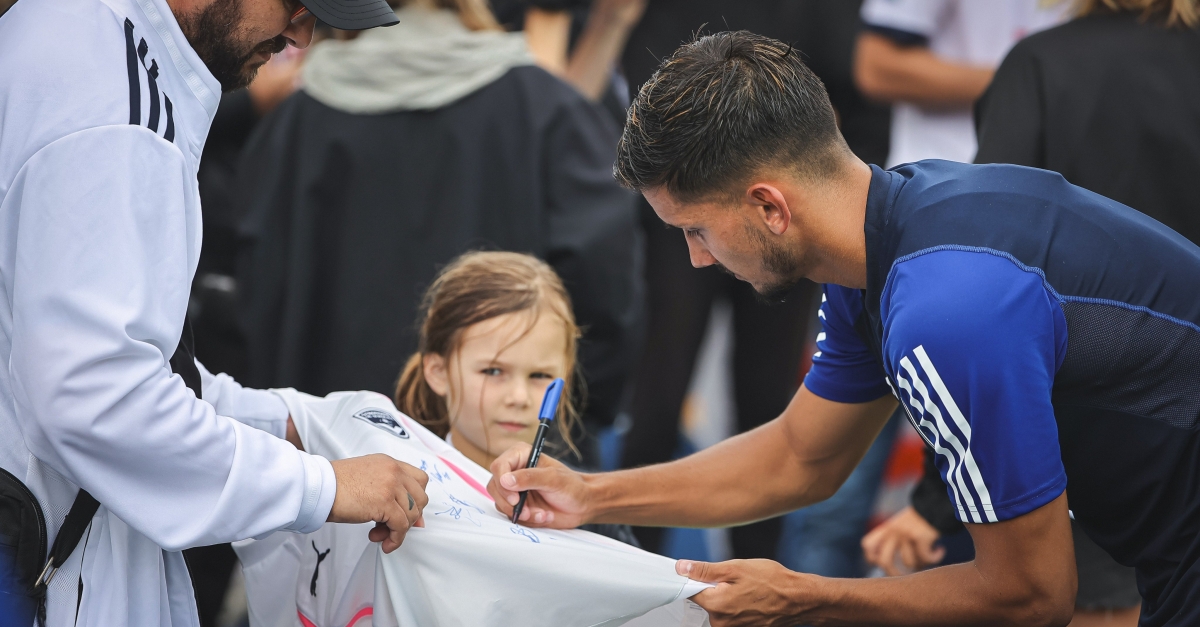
691,232
491,372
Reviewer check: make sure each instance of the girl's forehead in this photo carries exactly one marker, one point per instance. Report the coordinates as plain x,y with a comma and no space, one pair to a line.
519,334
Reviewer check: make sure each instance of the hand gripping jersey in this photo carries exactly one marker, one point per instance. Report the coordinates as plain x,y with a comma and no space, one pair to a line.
1040,338
469,566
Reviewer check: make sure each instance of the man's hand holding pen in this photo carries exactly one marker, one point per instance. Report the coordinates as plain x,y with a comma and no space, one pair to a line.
558,496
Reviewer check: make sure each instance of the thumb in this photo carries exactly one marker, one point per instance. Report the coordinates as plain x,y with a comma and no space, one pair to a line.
930,553
530,479
706,572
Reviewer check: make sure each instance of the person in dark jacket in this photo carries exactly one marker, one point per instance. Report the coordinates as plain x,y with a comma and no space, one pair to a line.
1109,100
405,148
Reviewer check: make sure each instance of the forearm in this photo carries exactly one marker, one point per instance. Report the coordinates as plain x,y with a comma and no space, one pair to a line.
892,73
954,596
548,34
798,459
744,478
602,41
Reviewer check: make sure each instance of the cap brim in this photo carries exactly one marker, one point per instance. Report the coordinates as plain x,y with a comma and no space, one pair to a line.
352,14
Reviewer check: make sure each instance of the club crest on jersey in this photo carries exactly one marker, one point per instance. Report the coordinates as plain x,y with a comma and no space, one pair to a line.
383,419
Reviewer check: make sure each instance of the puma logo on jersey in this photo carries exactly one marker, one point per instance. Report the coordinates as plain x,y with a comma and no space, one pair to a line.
383,419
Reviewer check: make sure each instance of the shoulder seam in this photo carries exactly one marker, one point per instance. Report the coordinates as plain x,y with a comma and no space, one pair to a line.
1042,275
971,249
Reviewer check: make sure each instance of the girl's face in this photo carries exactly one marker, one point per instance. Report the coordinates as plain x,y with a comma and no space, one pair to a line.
493,385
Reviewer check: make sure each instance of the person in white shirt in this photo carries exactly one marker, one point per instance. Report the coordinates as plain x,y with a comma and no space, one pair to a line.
933,59
104,108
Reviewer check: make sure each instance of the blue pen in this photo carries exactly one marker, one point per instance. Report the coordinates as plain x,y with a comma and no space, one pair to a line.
545,417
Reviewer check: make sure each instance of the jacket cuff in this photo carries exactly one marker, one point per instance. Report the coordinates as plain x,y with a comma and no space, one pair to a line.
320,486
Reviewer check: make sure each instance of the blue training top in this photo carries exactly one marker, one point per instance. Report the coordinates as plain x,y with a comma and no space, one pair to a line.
1041,338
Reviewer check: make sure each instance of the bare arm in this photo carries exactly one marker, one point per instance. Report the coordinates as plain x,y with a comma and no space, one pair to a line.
1023,574
886,71
603,40
799,458
548,34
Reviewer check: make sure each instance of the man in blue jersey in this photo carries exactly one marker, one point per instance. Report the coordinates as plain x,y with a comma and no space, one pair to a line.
1043,340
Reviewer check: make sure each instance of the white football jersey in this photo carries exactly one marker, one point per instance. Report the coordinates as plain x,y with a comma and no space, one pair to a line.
469,565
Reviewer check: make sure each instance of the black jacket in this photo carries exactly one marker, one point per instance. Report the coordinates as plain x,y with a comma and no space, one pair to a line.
349,217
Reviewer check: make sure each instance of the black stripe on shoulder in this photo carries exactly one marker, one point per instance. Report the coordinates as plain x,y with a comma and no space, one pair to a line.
135,84
152,81
169,134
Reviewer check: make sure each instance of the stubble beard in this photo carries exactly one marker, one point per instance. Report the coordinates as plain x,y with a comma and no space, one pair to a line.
212,32
785,267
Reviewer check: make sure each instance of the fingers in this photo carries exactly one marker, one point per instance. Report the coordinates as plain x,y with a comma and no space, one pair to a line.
419,475
508,461
512,459
871,543
707,572
887,556
908,556
930,554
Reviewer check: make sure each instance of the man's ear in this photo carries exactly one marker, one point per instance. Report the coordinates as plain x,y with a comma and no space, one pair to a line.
436,374
771,205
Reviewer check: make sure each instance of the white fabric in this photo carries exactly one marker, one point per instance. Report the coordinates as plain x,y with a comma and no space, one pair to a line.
260,409
469,566
426,61
99,237
971,32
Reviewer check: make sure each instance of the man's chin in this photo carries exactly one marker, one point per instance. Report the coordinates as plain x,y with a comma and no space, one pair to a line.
776,292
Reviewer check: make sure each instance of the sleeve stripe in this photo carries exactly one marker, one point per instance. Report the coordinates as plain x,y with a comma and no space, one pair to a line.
957,487
965,427
929,406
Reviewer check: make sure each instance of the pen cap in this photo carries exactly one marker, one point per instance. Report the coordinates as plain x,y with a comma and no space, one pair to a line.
550,400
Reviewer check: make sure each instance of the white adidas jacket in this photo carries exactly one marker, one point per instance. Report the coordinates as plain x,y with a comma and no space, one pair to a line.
104,109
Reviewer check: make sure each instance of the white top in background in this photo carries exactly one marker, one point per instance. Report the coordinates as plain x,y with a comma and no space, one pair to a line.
972,32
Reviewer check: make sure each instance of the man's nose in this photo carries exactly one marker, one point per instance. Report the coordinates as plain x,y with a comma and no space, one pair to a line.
700,256
300,33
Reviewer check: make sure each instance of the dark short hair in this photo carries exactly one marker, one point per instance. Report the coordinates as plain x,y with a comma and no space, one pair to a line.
719,109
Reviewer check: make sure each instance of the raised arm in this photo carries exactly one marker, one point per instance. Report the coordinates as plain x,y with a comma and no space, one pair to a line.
799,458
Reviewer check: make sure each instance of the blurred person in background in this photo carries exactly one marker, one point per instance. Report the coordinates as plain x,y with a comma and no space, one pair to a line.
769,340
932,59
579,41
1110,101
406,147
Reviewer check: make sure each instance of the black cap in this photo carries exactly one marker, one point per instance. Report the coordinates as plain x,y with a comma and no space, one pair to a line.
352,14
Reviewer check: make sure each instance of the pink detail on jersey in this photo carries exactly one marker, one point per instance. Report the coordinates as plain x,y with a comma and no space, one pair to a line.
363,613
468,478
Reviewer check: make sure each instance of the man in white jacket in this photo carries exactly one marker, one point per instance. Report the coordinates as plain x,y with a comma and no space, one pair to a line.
104,109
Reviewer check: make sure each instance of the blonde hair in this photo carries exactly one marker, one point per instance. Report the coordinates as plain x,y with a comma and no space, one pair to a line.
1178,12
479,286
475,14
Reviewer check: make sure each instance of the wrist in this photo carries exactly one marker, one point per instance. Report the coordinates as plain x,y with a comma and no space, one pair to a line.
597,497
808,594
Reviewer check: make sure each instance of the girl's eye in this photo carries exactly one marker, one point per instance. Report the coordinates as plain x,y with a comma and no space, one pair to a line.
541,375
491,372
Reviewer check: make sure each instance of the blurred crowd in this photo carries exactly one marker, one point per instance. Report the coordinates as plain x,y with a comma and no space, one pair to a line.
337,185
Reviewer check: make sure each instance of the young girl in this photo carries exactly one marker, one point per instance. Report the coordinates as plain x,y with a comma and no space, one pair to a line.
496,329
